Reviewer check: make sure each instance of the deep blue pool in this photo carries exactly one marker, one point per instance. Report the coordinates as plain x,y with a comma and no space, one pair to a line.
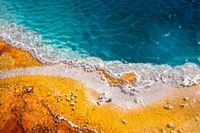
132,31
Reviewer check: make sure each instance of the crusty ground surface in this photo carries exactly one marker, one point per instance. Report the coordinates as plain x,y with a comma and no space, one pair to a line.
22,111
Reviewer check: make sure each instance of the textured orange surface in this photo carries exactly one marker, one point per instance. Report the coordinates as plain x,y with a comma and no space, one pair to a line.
126,79
130,78
29,109
11,57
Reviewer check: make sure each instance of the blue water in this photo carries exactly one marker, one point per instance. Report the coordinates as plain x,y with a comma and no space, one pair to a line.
132,31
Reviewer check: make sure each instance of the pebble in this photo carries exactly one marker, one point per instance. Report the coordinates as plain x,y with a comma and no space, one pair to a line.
29,89
72,104
98,103
164,80
124,121
136,100
101,100
101,96
72,94
172,131
76,101
58,118
163,131
169,125
168,106
59,98
109,100
72,97
184,105
185,98
73,108
68,99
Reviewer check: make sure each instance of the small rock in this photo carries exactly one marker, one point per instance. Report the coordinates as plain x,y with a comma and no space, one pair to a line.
72,97
72,94
109,100
100,100
168,106
132,93
169,125
76,101
164,80
184,105
98,103
103,79
124,121
101,96
76,96
68,99
30,89
136,100
58,118
59,98
185,98
72,104
73,108
163,131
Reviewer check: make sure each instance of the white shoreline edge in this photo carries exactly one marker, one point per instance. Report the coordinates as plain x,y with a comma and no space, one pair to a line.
153,81
93,80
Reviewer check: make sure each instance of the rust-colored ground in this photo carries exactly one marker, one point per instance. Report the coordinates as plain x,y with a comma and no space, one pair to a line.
35,111
30,109
126,79
11,57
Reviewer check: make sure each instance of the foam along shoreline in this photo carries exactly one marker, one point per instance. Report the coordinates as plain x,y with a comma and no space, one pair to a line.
152,81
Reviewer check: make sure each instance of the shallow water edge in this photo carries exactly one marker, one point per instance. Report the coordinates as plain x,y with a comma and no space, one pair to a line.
147,74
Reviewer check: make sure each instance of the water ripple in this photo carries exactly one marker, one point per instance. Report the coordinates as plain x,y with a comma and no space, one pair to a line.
133,31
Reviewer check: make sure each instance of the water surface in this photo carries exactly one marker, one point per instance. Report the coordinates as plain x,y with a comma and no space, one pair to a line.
131,31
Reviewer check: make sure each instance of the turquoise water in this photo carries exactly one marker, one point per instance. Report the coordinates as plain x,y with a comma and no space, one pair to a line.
131,31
